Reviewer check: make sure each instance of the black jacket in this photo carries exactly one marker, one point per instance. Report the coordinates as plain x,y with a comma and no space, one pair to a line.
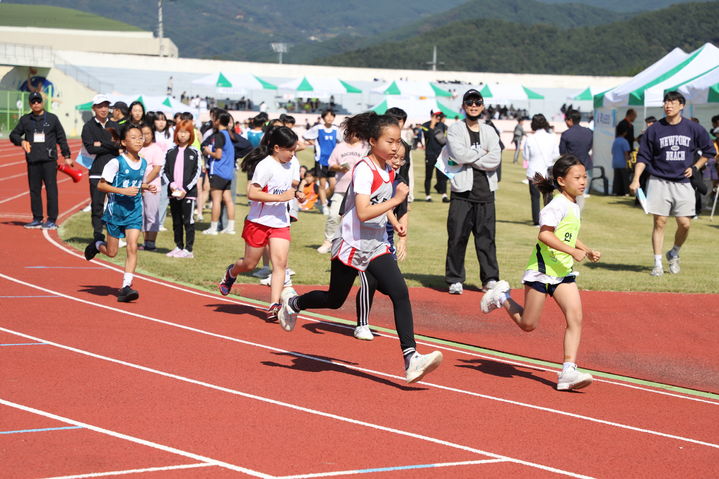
108,149
50,125
191,171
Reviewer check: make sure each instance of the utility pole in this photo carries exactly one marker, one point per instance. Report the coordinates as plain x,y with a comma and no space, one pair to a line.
434,62
160,29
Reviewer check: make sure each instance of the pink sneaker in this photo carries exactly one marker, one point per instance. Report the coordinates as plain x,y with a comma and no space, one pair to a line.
185,254
174,253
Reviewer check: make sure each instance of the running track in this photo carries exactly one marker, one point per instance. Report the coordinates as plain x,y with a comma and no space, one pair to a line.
189,384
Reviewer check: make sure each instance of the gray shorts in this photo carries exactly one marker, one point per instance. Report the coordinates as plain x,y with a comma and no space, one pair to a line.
670,198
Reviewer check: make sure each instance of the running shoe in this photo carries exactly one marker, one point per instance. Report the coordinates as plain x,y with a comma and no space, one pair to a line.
493,299
33,225
227,231
455,288
91,250
210,231
488,285
658,270
268,280
272,312
263,272
227,282
127,294
49,225
422,364
287,316
570,379
185,254
173,253
325,247
673,262
364,333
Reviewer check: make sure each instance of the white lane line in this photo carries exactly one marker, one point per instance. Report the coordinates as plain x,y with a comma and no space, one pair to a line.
28,192
392,469
137,440
296,407
383,335
13,176
11,164
134,471
355,368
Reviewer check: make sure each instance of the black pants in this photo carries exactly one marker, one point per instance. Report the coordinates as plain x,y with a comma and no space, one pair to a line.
620,184
463,218
441,185
37,174
534,195
389,281
182,218
97,207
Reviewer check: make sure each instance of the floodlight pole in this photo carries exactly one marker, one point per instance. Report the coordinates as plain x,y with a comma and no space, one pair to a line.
160,29
434,62
279,48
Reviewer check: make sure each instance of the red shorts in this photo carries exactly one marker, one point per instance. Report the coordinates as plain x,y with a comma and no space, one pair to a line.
258,236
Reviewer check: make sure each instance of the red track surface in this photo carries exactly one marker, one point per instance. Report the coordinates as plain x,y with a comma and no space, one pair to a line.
183,378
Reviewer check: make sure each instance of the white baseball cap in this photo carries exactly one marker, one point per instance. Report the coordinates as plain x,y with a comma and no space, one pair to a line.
98,99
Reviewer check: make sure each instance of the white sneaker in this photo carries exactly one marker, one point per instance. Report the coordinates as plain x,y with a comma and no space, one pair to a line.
185,254
263,272
570,378
287,316
673,263
455,288
364,333
525,181
173,253
268,280
210,231
290,271
658,270
492,299
162,228
422,364
227,231
87,208
325,248
325,210
488,285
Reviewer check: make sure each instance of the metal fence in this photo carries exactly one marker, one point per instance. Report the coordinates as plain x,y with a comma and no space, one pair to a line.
13,105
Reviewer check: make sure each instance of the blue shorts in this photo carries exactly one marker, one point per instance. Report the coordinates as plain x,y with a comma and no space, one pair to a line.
546,288
118,231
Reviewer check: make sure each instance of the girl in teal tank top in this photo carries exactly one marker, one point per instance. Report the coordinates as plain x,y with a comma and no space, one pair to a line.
549,270
123,180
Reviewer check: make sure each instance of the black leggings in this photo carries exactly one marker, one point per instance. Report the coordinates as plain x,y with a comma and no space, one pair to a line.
37,174
182,211
389,281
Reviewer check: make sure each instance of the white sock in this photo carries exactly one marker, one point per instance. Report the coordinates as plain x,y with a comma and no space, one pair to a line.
231,225
127,279
98,244
675,250
657,260
213,225
566,366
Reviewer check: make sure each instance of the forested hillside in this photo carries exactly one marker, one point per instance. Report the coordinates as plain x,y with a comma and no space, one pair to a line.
620,48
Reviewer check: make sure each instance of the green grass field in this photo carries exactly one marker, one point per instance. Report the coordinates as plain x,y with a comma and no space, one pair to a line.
43,16
610,224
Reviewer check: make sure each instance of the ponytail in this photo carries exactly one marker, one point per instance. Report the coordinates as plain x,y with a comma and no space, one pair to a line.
367,125
559,170
277,136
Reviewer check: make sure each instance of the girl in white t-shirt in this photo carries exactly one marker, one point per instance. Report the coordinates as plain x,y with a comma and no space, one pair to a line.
268,222
362,242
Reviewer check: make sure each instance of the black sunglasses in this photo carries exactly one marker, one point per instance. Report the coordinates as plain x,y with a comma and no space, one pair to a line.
473,102
35,100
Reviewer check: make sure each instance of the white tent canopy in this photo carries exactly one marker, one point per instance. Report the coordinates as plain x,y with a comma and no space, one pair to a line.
320,87
703,89
234,83
417,110
507,93
620,96
409,89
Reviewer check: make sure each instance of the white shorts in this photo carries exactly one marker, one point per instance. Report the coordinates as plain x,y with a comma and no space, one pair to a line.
670,198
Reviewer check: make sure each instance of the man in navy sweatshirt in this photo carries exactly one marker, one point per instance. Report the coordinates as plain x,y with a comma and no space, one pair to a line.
667,151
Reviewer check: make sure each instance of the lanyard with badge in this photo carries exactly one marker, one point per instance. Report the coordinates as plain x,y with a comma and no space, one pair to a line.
39,136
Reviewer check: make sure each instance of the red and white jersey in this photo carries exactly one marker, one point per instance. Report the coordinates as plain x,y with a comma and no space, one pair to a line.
274,178
362,241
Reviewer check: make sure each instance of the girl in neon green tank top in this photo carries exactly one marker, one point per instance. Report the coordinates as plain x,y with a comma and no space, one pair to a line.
549,270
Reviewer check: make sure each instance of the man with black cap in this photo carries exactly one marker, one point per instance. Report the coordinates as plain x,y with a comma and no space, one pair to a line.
39,133
474,147
434,132
98,141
